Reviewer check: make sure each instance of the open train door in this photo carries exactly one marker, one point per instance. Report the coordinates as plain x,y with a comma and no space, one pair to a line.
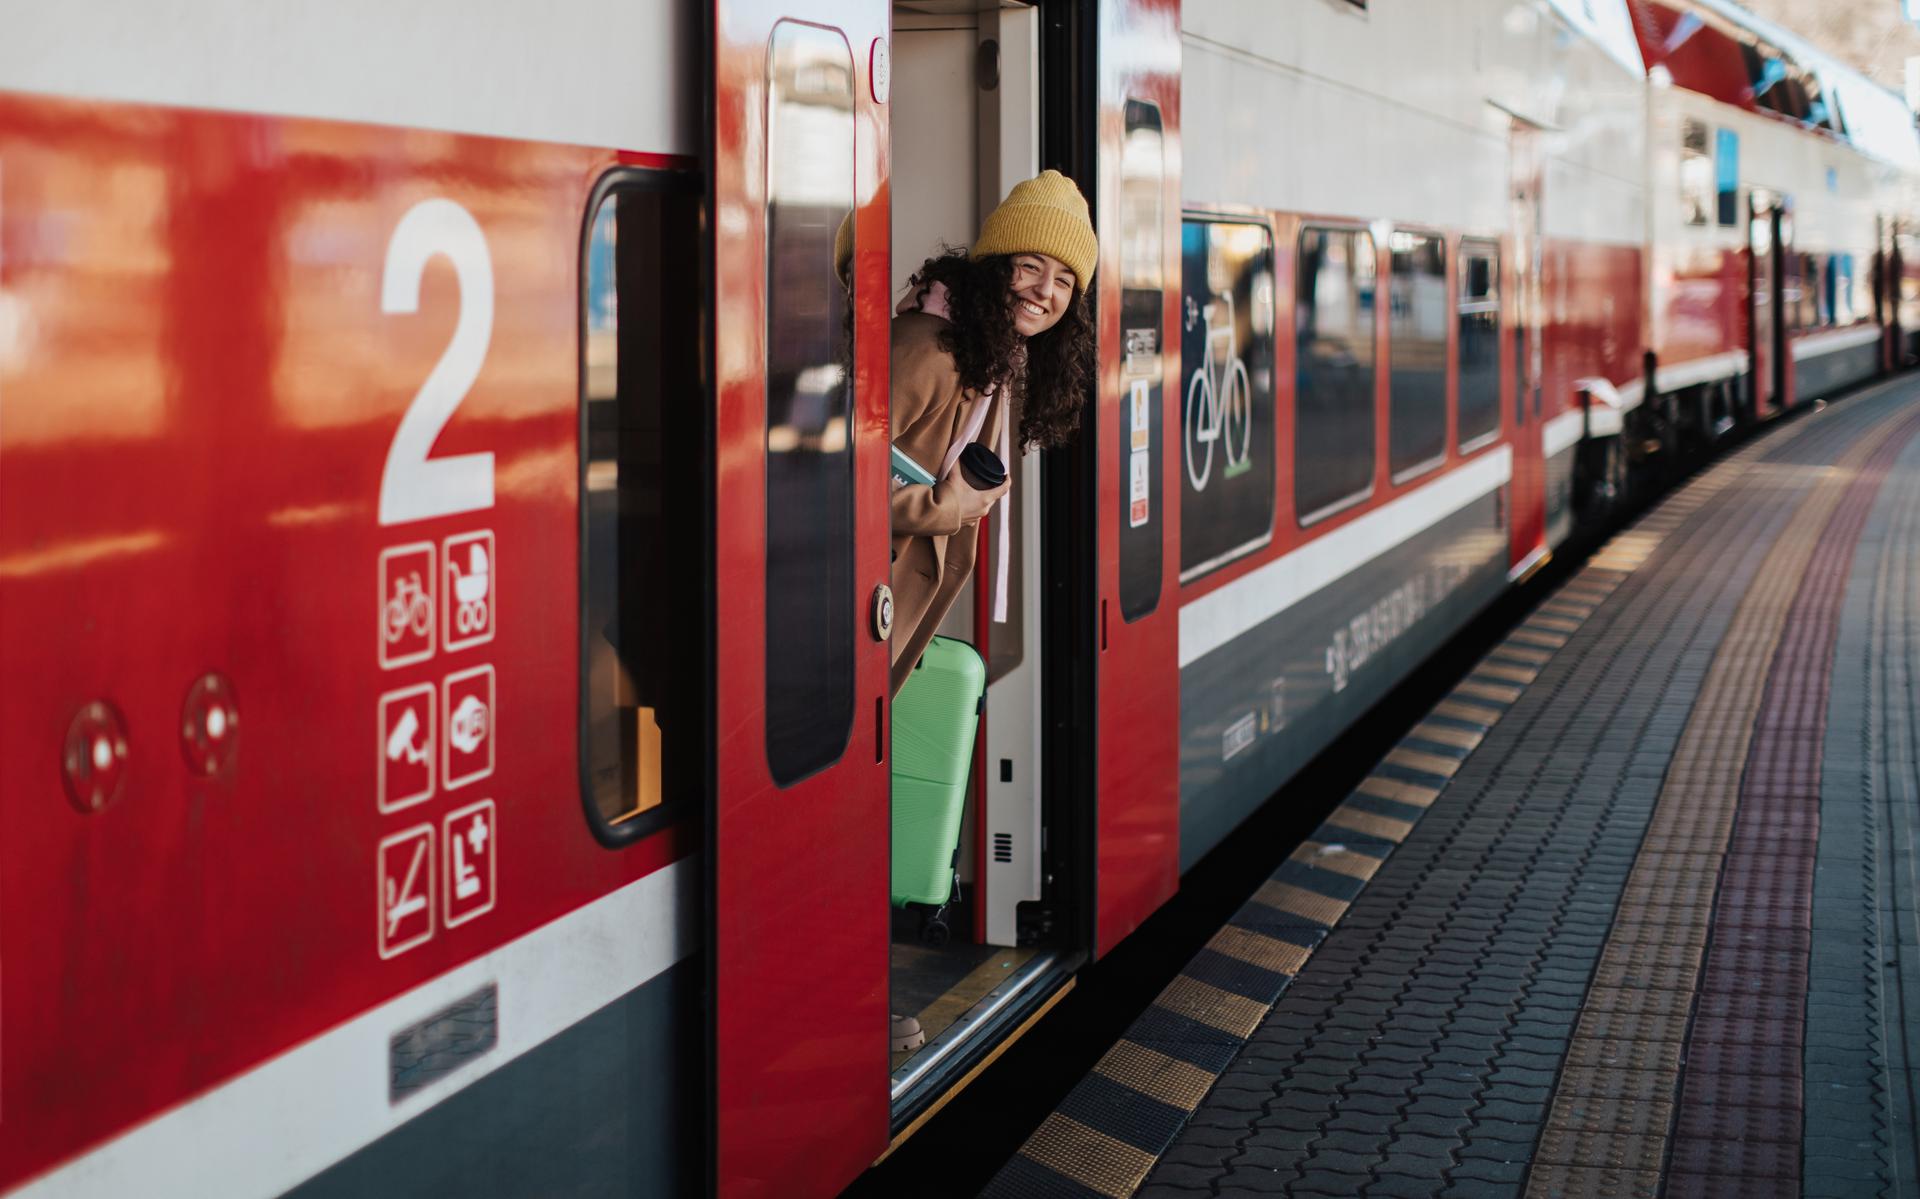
797,850
1137,423
1766,264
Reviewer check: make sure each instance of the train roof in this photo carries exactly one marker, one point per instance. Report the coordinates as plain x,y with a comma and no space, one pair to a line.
1853,108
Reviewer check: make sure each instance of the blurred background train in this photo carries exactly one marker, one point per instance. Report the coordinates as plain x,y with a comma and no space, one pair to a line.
516,342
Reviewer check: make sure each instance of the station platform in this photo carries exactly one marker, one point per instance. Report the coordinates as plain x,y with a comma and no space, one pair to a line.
1630,912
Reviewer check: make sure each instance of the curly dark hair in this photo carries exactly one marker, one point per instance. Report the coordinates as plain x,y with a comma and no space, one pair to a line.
1049,373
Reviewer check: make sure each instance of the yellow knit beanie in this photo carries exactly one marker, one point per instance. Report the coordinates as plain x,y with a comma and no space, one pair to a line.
1044,215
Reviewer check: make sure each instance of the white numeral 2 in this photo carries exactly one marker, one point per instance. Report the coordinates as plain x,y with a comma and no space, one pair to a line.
414,486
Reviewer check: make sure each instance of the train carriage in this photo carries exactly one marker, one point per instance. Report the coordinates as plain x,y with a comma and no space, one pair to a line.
444,739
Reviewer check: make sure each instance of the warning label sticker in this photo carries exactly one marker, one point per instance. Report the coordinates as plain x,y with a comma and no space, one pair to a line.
1139,489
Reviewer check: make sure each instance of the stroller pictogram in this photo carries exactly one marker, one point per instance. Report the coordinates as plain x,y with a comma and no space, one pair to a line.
470,590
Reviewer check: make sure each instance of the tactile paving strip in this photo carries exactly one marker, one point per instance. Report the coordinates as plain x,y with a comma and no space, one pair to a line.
1761,708
1310,892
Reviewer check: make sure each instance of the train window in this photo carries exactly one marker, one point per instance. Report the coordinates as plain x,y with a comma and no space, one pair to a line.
1849,301
1696,173
811,609
1479,362
1143,184
1726,168
642,645
1416,353
1334,367
1226,362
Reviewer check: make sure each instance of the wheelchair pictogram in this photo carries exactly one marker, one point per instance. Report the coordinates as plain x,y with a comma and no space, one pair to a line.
1219,398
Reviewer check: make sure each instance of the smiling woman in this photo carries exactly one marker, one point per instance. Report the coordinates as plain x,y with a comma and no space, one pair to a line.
984,342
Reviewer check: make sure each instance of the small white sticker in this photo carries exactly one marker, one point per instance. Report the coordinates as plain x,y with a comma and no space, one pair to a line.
1237,737
880,70
1139,489
1142,426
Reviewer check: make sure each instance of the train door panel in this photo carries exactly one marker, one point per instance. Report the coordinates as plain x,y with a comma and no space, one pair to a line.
1135,421
1766,315
1529,466
797,935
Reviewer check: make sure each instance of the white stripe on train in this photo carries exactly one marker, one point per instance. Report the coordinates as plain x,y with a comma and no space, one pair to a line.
1220,616
332,1090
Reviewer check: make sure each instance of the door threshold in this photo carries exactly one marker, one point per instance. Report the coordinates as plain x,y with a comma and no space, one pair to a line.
932,1096
955,1035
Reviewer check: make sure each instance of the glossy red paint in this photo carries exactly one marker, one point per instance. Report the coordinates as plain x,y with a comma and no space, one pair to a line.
1700,57
1592,326
1705,307
1138,826
198,391
799,935
1525,264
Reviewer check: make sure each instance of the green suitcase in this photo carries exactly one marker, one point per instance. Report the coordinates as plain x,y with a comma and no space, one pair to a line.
935,717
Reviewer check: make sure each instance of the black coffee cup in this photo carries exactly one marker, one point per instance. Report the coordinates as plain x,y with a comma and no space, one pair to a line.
982,467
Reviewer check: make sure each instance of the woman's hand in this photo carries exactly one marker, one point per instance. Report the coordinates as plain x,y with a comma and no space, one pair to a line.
971,502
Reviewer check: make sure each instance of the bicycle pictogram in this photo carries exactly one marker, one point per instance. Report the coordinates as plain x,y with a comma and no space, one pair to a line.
409,607
1219,398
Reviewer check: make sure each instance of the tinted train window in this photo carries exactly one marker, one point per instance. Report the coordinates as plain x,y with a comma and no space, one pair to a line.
811,606
1226,368
1333,370
1726,168
1696,174
642,645
1479,364
1417,353
1143,182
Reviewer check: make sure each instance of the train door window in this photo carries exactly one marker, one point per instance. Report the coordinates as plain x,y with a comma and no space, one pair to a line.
1333,371
810,608
1696,173
1726,168
642,643
1226,359
1416,353
1479,361
1849,304
1143,176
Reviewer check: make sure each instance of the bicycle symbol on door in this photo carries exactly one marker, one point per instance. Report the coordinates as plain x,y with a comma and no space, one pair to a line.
1219,399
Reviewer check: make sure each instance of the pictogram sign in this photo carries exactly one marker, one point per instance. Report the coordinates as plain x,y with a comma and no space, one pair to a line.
405,748
467,697
406,604
405,887
470,836
467,598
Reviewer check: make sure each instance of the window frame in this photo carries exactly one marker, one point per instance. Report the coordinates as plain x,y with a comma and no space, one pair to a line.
1464,250
1327,511
1448,402
676,805
1199,214
817,764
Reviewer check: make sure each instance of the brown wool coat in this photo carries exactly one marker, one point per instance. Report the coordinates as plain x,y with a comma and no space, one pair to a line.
933,551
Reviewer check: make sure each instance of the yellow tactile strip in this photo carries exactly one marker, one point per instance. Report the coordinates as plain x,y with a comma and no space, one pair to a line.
1627,1047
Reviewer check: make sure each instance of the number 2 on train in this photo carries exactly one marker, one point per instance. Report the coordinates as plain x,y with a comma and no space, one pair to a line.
414,486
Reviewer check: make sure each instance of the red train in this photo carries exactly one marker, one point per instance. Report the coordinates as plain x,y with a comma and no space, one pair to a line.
444,734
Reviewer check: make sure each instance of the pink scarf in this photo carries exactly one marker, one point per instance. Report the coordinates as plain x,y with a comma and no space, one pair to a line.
934,303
